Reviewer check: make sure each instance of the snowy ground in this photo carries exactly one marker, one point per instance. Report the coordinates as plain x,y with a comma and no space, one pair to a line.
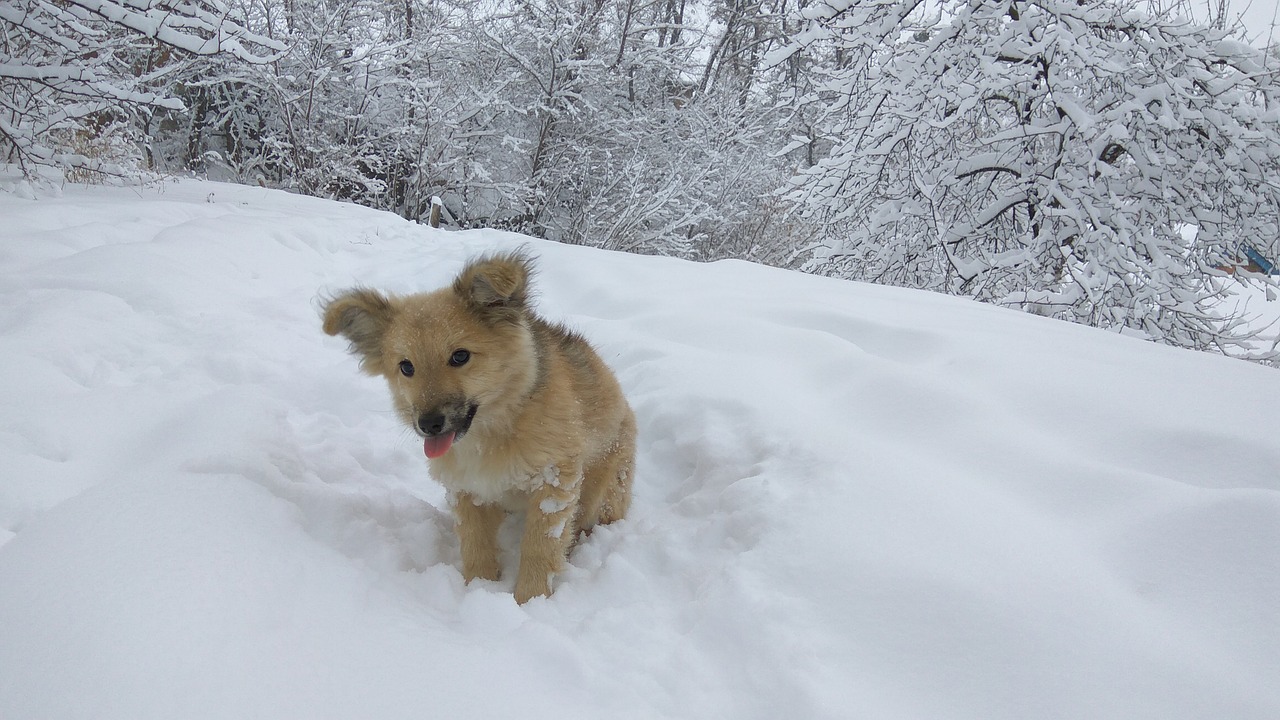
851,502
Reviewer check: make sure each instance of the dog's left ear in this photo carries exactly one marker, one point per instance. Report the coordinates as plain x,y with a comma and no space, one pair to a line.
361,316
497,287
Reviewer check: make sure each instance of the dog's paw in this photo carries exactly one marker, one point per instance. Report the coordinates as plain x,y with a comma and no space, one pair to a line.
482,572
529,586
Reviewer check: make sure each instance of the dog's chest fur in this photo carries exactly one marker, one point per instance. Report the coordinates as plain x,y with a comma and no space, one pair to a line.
493,477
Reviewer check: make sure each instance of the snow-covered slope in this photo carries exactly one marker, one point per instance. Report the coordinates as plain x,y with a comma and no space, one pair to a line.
851,501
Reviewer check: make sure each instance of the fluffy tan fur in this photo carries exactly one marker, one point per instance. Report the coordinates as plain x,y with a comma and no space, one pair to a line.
531,419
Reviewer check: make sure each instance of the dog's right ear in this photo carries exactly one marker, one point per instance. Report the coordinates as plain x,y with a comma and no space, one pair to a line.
496,286
361,316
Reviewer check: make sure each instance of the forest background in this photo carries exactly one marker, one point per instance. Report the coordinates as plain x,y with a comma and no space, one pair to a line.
1109,162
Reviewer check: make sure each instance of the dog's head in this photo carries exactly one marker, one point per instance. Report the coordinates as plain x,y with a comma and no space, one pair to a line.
452,357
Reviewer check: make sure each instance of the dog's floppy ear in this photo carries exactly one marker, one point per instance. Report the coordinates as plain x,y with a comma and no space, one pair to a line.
496,286
361,316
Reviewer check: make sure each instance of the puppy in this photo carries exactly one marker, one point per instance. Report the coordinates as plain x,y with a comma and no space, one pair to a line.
515,413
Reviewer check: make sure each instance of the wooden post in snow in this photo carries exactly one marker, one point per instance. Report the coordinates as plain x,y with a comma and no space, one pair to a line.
436,204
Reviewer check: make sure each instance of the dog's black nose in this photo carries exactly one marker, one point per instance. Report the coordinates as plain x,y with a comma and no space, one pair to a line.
431,423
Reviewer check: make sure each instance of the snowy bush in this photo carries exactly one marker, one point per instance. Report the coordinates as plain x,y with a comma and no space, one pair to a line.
1047,155
79,80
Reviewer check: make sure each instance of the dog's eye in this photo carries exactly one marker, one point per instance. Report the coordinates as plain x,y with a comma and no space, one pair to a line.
459,357
406,368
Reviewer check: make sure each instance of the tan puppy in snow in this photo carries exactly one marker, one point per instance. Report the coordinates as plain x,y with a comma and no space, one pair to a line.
516,414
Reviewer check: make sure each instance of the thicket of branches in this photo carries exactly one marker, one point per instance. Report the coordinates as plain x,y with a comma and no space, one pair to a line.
82,80
1091,161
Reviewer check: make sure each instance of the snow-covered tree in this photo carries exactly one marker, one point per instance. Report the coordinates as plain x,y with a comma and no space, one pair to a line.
75,75
621,144
1090,161
614,123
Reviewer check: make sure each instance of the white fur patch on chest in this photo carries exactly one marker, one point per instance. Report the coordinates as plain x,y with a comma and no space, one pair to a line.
490,481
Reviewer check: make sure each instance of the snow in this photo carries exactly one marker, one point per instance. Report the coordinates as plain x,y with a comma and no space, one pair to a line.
850,500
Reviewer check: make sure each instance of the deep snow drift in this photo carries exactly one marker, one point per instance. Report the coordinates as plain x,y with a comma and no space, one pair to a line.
851,501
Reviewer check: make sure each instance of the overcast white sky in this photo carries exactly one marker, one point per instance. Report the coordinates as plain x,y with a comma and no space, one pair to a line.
1259,18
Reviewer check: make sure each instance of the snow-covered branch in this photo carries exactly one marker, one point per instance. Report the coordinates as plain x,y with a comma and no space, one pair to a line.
1080,160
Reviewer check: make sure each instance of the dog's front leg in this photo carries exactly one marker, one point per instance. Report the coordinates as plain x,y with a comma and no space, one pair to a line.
548,530
477,527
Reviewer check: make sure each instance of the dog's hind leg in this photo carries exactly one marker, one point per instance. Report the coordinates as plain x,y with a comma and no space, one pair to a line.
612,487
606,491
617,497
548,531
477,527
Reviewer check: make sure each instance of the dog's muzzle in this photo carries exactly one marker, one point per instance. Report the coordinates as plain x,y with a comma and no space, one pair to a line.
442,428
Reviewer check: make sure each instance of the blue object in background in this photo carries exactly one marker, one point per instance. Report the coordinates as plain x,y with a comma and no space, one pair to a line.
1265,266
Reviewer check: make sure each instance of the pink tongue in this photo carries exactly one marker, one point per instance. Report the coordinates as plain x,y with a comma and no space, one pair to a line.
438,445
